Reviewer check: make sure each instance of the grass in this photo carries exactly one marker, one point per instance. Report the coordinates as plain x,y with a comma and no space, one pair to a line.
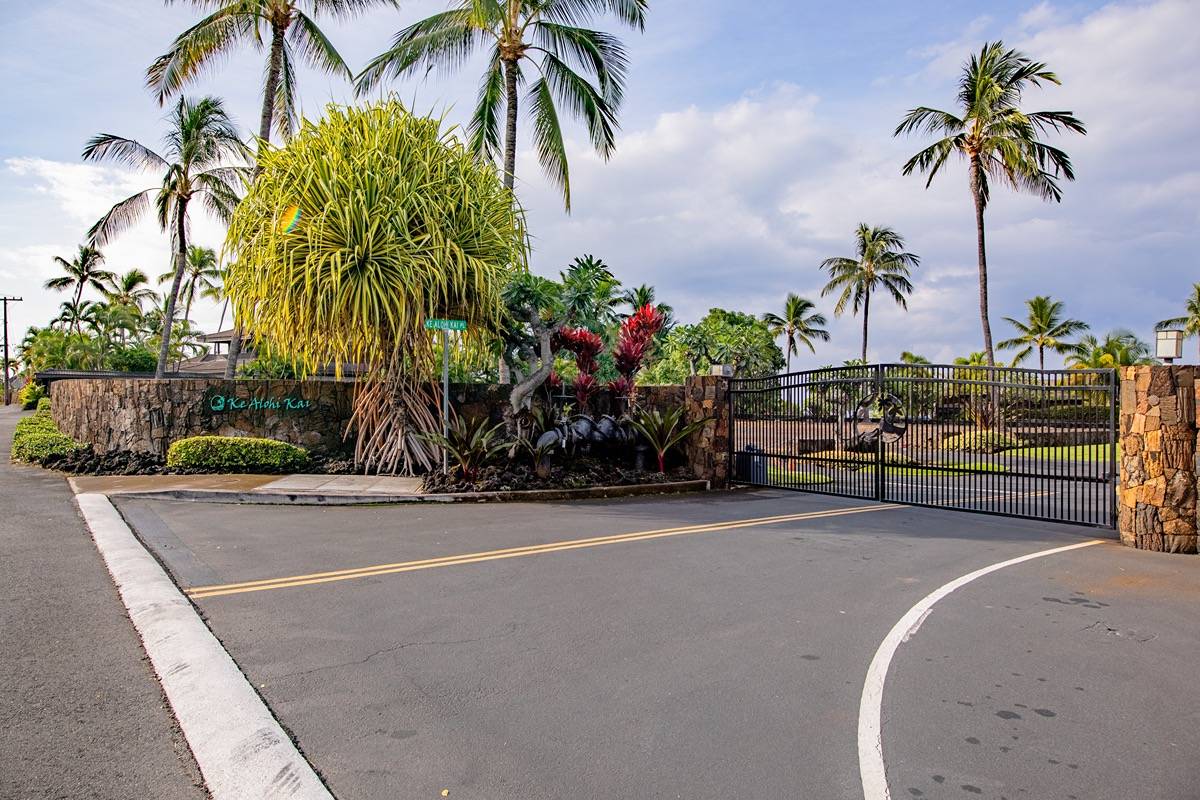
1076,452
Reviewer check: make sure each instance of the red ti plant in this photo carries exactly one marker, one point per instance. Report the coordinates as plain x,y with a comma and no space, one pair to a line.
586,346
634,342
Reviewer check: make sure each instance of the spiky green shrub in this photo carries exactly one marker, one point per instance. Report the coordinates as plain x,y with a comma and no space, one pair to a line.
366,224
664,430
236,454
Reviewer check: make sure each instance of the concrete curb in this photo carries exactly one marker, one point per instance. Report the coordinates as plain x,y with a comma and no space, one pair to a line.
525,495
241,749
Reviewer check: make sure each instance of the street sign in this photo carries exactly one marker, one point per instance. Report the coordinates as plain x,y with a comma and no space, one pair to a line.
445,324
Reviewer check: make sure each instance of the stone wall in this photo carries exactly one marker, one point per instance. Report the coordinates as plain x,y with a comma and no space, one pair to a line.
1159,409
146,415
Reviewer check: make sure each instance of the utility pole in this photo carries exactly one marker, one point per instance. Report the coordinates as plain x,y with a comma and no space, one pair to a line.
7,388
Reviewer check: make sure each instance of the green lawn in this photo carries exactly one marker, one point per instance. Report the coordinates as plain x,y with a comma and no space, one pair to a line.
1078,452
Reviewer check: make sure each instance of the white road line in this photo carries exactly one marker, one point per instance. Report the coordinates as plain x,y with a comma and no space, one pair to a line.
870,707
240,748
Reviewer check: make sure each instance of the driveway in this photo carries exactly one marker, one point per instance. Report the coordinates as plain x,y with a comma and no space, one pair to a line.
710,646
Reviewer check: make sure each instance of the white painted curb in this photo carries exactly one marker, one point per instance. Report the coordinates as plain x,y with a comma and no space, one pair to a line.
239,746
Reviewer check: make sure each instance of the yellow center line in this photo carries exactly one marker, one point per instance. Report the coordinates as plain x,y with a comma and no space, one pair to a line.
219,590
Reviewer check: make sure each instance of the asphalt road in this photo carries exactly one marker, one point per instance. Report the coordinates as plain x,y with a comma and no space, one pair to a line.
81,713
714,663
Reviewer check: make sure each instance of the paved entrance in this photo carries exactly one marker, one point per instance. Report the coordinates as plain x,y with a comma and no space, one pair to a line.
699,647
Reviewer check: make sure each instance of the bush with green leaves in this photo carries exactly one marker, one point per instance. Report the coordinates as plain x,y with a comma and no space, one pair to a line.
36,438
236,454
43,407
30,394
981,442
472,443
664,430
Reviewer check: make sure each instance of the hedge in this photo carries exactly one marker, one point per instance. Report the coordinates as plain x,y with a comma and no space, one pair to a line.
236,454
981,442
37,437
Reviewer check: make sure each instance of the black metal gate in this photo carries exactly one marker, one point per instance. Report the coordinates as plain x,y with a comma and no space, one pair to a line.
995,440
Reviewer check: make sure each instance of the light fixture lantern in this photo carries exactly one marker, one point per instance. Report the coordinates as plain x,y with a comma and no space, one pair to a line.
1169,345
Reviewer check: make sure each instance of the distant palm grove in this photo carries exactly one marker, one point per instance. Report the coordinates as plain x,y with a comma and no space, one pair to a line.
363,242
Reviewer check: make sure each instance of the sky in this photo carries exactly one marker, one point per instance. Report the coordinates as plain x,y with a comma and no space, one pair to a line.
754,138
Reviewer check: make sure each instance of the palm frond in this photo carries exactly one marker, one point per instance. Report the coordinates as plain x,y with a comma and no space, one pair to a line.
201,46
548,139
107,147
484,128
122,215
314,47
584,101
444,40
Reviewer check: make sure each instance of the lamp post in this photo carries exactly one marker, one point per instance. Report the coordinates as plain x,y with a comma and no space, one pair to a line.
1168,345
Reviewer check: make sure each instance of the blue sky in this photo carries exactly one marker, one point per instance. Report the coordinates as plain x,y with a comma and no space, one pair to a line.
754,138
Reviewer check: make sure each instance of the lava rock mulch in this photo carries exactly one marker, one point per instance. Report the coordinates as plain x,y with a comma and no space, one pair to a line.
578,473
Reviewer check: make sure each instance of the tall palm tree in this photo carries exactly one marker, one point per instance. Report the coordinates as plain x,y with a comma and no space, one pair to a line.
130,289
544,33
997,139
591,294
1044,328
234,23
800,323
1189,322
201,276
882,263
74,314
201,146
82,271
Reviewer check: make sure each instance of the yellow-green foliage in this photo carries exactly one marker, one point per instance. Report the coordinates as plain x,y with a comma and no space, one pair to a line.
236,454
36,438
398,223
30,394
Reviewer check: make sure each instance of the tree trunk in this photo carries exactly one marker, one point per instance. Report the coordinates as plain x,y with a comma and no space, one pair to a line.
274,67
510,123
164,346
866,314
1042,359
788,355
977,194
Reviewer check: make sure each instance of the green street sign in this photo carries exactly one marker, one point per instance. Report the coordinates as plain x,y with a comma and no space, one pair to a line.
445,324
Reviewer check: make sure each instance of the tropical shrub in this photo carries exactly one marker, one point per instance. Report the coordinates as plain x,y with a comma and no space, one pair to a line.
981,442
236,454
43,407
132,359
722,337
267,367
664,430
472,443
30,394
36,438
367,223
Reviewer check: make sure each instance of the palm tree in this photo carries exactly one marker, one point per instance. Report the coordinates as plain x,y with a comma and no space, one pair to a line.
1043,329
547,35
1119,348
130,290
881,264
249,23
73,314
83,271
201,277
1189,322
998,140
800,323
913,359
641,296
201,143
591,294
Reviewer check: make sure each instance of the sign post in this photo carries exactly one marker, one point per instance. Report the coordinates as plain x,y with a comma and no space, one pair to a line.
445,326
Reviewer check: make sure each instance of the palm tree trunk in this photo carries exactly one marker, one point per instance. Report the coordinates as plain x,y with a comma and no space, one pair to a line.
274,68
866,314
977,194
164,347
510,123
1042,359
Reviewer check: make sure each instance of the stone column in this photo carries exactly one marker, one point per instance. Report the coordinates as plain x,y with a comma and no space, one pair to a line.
1158,460
707,397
